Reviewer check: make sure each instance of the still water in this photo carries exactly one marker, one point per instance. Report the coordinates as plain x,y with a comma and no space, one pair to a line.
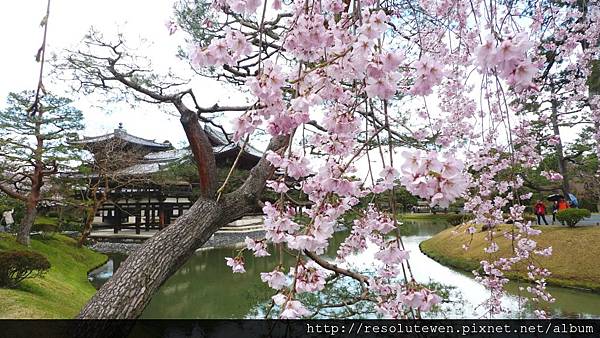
206,288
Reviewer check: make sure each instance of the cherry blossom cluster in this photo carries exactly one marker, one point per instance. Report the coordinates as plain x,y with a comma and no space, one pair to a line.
224,51
509,58
236,264
395,300
439,179
551,175
307,277
239,6
494,196
429,72
291,309
371,227
525,144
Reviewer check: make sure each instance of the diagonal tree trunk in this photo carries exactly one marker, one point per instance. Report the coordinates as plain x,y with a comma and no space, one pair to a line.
126,294
130,290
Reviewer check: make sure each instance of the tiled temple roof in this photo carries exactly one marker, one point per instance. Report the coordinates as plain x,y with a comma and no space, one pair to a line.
158,159
122,134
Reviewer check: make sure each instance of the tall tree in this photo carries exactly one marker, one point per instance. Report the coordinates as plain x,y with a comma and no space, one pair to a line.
562,100
100,176
33,146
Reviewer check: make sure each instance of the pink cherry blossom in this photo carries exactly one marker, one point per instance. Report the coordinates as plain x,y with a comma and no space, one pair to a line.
293,309
342,83
309,278
392,254
275,279
236,264
429,73
258,247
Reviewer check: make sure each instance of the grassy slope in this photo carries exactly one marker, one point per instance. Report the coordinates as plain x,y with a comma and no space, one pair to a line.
46,220
574,262
62,291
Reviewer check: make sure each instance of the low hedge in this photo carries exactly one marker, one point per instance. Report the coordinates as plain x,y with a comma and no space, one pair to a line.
47,230
572,216
15,266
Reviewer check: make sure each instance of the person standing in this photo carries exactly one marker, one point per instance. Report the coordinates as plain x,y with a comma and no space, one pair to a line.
540,212
562,204
8,219
554,211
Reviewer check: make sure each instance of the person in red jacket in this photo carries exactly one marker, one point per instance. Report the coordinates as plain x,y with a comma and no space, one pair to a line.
540,211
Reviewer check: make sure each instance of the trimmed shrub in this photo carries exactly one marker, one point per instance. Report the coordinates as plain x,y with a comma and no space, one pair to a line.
45,229
572,216
590,204
15,266
455,220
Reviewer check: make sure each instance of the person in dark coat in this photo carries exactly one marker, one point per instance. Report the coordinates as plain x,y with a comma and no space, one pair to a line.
540,211
554,211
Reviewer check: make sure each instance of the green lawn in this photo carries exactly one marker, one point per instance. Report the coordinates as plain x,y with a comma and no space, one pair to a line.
46,220
62,291
574,262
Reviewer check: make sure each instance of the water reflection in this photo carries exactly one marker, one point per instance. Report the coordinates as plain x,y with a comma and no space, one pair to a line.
205,287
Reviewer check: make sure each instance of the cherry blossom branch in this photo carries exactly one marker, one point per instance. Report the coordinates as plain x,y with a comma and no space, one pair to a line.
332,267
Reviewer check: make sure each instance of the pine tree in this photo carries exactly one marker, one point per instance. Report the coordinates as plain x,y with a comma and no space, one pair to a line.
33,147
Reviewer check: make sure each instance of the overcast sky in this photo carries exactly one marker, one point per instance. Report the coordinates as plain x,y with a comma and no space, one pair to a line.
69,21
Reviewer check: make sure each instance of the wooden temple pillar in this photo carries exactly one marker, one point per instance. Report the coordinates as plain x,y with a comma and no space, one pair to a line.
138,217
117,220
161,215
147,216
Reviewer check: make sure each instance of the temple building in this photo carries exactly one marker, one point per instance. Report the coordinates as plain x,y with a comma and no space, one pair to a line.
135,199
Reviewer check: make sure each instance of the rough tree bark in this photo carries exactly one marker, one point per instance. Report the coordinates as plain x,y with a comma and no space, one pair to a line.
37,181
23,237
201,149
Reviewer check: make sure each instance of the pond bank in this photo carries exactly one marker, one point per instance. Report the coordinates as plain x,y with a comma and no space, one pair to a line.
218,240
62,291
573,262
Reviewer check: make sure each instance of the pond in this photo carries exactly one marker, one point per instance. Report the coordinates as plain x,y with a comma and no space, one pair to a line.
205,287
